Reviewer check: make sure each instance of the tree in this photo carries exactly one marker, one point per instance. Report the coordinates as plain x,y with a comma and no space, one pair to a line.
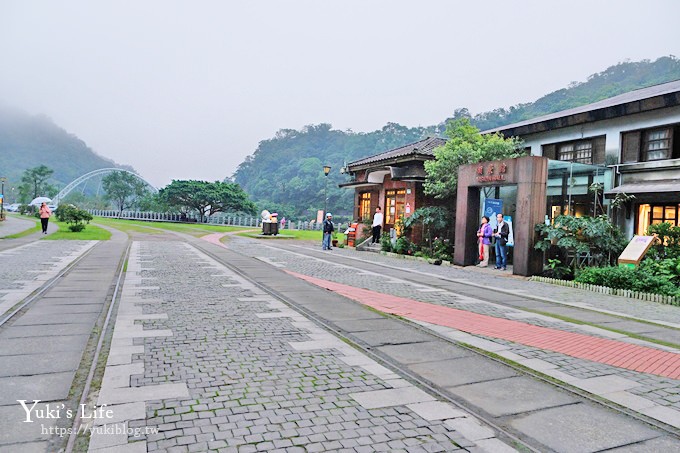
465,146
207,198
123,189
34,183
75,217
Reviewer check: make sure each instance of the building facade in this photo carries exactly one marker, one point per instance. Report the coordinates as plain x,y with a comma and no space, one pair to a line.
392,180
630,144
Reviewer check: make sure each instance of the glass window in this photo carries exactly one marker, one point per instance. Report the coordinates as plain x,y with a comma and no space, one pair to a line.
581,152
394,205
656,214
658,144
365,206
567,152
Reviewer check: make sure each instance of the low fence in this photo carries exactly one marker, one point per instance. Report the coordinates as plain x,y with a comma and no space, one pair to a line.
670,300
218,219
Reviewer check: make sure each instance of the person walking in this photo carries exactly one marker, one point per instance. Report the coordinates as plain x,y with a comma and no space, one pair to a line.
377,225
484,235
328,229
45,213
501,233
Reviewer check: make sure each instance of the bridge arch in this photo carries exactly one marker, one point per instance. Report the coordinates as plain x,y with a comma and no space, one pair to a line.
101,171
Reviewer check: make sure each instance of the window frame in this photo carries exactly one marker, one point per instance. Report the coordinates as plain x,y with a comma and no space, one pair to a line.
364,206
575,151
646,142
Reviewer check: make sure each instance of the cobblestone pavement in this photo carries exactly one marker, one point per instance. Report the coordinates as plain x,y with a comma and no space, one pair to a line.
259,376
659,390
492,279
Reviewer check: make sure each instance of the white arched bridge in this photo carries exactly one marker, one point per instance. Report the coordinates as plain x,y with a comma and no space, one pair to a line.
99,172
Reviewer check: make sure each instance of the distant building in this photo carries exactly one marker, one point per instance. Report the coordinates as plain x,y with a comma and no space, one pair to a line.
392,180
630,142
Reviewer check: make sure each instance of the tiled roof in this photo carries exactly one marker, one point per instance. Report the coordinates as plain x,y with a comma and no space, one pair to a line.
631,96
423,147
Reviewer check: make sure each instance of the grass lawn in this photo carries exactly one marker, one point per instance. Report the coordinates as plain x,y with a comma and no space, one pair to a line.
126,225
90,233
302,235
195,229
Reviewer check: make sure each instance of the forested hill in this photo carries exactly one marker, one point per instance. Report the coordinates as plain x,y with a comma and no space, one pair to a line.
615,80
29,141
285,173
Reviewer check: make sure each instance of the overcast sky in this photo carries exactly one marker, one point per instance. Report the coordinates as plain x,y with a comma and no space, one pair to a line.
187,89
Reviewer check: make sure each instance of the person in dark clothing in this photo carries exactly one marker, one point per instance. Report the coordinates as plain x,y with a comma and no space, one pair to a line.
501,234
377,225
328,229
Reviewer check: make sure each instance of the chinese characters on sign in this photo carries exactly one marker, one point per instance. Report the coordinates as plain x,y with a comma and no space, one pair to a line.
491,172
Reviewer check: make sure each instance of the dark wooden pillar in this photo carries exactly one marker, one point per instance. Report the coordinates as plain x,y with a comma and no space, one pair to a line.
467,210
531,201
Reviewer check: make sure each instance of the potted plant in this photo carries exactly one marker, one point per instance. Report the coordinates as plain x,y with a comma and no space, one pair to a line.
334,239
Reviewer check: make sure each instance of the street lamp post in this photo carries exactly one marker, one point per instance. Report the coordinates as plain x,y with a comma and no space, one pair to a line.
326,170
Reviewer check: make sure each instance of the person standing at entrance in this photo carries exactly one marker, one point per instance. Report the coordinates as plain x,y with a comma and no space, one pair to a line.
45,213
501,234
377,225
328,229
484,236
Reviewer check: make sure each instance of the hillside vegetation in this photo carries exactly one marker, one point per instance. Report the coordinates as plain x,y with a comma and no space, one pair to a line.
285,173
29,141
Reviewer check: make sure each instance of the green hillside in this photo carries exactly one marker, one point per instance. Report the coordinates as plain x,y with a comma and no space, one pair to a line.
29,141
613,81
285,173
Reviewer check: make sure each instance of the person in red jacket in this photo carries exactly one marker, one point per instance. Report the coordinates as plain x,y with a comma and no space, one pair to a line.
45,213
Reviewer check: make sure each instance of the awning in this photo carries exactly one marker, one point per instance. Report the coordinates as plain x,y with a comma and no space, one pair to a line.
661,186
357,185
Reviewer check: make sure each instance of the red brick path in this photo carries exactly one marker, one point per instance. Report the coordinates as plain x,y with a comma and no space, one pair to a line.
610,352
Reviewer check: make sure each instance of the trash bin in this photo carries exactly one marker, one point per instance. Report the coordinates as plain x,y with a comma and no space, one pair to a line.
270,228
352,234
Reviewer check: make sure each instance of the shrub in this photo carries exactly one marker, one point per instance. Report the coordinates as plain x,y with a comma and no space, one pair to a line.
402,246
627,278
572,235
555,269
669,241
75,218
442,250
668,268
385,242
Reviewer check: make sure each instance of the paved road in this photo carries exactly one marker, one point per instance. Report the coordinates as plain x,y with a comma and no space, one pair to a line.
245,348
44,351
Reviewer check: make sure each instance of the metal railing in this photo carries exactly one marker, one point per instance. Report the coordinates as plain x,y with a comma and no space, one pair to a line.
218,219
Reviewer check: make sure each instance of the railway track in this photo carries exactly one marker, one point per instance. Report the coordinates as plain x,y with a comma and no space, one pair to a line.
510,435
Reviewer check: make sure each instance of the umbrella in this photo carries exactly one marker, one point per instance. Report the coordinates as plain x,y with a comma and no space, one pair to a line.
40,200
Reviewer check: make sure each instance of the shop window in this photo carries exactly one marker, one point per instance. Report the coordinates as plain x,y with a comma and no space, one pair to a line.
652,214
394,205
365,206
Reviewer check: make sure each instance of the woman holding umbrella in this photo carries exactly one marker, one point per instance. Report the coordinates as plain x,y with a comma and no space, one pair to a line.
45,213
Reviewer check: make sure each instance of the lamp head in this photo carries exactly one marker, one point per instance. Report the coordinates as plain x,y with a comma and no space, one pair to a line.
326,169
